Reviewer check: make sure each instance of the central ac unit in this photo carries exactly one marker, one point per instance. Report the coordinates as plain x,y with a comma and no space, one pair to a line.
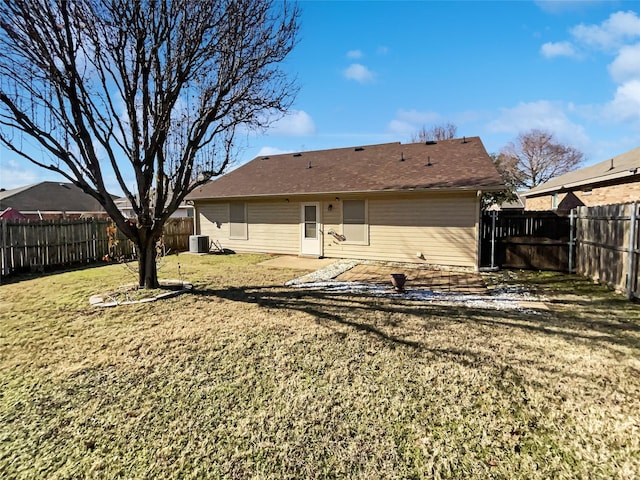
198,244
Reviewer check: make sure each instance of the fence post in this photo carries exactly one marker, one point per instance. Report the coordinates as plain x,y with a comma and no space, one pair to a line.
572,240
631,250
494,214
5,248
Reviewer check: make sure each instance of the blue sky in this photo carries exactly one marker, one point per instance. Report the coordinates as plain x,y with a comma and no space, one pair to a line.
376,71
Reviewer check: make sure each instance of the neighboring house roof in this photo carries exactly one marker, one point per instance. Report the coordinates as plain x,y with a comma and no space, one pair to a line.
123,203
516,204
11,214
623,168
456,164
49,197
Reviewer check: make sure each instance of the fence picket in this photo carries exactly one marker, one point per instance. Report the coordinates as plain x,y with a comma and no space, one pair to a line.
530,239
39,244
607,239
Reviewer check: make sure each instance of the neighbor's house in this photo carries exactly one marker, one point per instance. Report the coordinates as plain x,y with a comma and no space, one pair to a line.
399,202
11,214
616,180
124,205
515,205
51,200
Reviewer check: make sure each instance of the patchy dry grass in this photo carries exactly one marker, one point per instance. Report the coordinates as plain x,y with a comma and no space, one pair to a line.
248,379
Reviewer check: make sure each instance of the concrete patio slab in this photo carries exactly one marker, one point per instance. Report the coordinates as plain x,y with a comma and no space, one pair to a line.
417,278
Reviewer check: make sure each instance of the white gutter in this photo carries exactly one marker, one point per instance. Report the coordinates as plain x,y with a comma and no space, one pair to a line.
494,188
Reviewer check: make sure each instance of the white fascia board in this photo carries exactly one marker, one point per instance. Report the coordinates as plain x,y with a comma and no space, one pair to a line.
580,183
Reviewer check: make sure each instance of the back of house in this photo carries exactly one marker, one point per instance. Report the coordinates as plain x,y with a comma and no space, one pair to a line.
417,202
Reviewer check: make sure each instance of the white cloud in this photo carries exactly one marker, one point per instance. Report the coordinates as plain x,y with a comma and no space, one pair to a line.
14,174
400,128
558,49
415,116
625,105
543,115
297,123
354,54
267,151
408,122
626,66
617,36
382,50
359,73
619,28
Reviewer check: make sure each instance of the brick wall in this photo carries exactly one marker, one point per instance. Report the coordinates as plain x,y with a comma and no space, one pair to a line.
607,195
538,203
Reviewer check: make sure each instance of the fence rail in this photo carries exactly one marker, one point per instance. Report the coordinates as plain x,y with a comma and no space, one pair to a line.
41,244
603,240
537,240
608,245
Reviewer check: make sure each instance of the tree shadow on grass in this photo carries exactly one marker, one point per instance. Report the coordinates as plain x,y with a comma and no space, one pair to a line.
312,302
41,272
356,310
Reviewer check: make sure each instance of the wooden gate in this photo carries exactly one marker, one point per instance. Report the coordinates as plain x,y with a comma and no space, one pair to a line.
529,240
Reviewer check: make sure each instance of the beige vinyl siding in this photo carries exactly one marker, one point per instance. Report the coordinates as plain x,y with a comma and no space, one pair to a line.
272,226
355,227
212,219
238,221
441,228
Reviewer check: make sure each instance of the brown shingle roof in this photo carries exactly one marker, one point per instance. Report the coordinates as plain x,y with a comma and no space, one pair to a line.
457,164
620,169
49,196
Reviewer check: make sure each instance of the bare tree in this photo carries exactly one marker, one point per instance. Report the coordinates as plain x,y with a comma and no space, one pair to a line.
501,196
151,92
536,157
443,131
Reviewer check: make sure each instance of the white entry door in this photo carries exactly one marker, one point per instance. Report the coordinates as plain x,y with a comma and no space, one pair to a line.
310,239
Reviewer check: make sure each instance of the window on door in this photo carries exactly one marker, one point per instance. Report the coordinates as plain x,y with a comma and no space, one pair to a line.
354,221
310,221
238,221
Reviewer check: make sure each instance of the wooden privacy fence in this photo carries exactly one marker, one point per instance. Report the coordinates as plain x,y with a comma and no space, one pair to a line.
40,244
608,246
533,240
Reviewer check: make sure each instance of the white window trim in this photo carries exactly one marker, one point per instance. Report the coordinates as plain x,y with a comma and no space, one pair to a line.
245,236
366,223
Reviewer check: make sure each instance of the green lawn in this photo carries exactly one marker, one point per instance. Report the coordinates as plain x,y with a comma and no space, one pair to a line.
245,378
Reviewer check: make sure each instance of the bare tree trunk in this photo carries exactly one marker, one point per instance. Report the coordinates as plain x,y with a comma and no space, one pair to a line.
161,99
147,268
